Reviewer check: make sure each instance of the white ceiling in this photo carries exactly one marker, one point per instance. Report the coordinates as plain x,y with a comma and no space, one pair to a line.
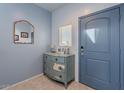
50,6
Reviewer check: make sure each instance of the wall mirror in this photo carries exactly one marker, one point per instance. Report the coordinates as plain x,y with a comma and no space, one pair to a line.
65,35
23,32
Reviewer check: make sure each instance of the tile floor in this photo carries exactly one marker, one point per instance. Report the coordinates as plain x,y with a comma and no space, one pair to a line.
44,83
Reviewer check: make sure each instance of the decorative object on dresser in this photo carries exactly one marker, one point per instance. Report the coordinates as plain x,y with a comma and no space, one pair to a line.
59,67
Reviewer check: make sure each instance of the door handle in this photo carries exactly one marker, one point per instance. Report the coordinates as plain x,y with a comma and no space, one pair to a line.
82,50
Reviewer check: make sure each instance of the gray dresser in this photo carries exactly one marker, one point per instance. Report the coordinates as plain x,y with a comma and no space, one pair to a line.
59,67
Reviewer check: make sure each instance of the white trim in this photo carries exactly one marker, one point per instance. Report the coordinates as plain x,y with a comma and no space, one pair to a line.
22,81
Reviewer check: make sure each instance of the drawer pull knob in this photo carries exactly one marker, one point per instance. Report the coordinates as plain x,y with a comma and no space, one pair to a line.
60,76
60,68
56,59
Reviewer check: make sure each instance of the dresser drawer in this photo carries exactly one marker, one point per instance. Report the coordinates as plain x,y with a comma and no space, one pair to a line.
58,59
59,67
49,58
57,76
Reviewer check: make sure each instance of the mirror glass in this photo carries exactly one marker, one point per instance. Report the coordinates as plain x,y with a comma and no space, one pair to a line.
65,35
23,32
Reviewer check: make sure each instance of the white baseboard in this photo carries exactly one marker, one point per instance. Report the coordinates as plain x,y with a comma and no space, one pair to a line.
22,81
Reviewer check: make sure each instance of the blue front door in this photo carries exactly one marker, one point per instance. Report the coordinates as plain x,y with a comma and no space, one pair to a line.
99,43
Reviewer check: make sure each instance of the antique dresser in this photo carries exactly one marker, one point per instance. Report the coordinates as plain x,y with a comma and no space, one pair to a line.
59,67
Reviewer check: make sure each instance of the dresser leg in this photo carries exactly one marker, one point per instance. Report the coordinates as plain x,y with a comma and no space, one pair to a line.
65,85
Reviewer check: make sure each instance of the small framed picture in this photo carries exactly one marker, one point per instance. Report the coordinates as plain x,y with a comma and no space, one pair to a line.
24,34
16,38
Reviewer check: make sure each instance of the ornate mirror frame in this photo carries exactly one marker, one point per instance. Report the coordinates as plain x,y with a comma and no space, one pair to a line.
32,33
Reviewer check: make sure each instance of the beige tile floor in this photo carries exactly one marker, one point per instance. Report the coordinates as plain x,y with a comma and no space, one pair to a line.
44,83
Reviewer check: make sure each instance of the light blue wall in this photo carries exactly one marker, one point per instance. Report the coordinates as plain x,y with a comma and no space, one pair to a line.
21,61
69,14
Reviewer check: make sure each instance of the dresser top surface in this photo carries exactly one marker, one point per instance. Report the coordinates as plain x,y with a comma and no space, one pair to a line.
59,54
